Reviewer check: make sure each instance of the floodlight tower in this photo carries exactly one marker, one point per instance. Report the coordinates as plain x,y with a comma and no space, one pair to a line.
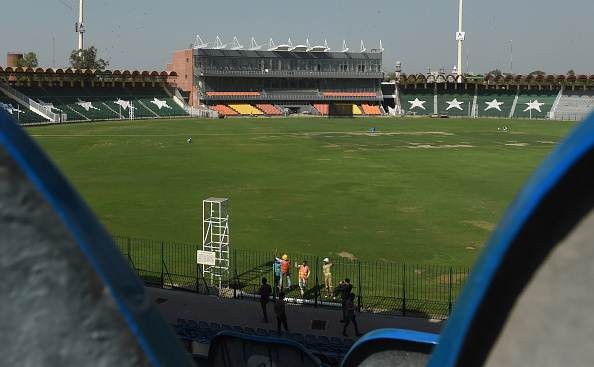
80,25
460,35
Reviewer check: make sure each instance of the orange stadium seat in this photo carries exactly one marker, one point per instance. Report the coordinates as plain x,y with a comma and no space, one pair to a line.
323,109
371,110
224,110
269,109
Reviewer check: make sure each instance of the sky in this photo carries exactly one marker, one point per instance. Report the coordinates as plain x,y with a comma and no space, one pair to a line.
553,36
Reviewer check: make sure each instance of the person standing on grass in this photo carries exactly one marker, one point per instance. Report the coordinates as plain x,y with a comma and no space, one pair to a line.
281,315
265,291
303,276
285,271
344,288
327,270
350,315
276,270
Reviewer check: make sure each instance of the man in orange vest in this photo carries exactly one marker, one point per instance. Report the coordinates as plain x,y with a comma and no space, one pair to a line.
285,271
303,276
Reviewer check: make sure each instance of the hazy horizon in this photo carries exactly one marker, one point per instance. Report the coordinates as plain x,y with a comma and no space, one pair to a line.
547,35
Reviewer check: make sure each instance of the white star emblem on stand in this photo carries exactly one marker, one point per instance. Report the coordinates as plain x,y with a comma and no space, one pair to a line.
87,105
160,104
124,104
6,107
417,103
533,105
48,105
10,109
494,104
454,104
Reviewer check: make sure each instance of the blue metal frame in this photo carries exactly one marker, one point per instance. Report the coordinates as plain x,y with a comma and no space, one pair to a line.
262,339
403,335
152,332
550,172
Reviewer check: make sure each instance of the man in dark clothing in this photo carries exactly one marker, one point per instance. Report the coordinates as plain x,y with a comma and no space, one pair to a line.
344,289
350,315
265,291
279,310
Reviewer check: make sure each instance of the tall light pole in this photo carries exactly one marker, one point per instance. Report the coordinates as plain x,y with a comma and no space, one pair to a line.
511,56
460,35
80,25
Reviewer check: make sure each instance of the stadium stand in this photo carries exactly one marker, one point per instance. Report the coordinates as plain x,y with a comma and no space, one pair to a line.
455,102
267,351
293,80
331,349
224,110
71,100
342,109
574,105
86,95
156,99
246,109
322,108
371,110
356,110
110,100
502,96
535,104
298,108
417,100
494,102
104,103
269,109
19,113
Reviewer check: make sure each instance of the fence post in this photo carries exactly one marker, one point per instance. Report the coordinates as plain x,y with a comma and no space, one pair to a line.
197,278
275,283
317,284
162,262
129,256
403,289
359,293
450,293
235,280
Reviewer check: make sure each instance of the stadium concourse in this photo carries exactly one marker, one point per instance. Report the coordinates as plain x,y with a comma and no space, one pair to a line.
198,318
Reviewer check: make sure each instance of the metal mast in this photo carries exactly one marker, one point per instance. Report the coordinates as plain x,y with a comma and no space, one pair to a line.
511,56
215,239
460,38
80,25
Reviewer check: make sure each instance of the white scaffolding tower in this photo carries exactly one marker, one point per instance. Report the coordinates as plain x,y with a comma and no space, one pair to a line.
131,111
215,239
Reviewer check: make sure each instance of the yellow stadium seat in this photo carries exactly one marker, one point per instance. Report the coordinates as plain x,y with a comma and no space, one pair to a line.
246,109
356,110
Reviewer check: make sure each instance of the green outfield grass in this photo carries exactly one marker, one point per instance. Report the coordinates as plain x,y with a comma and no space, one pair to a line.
428,191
